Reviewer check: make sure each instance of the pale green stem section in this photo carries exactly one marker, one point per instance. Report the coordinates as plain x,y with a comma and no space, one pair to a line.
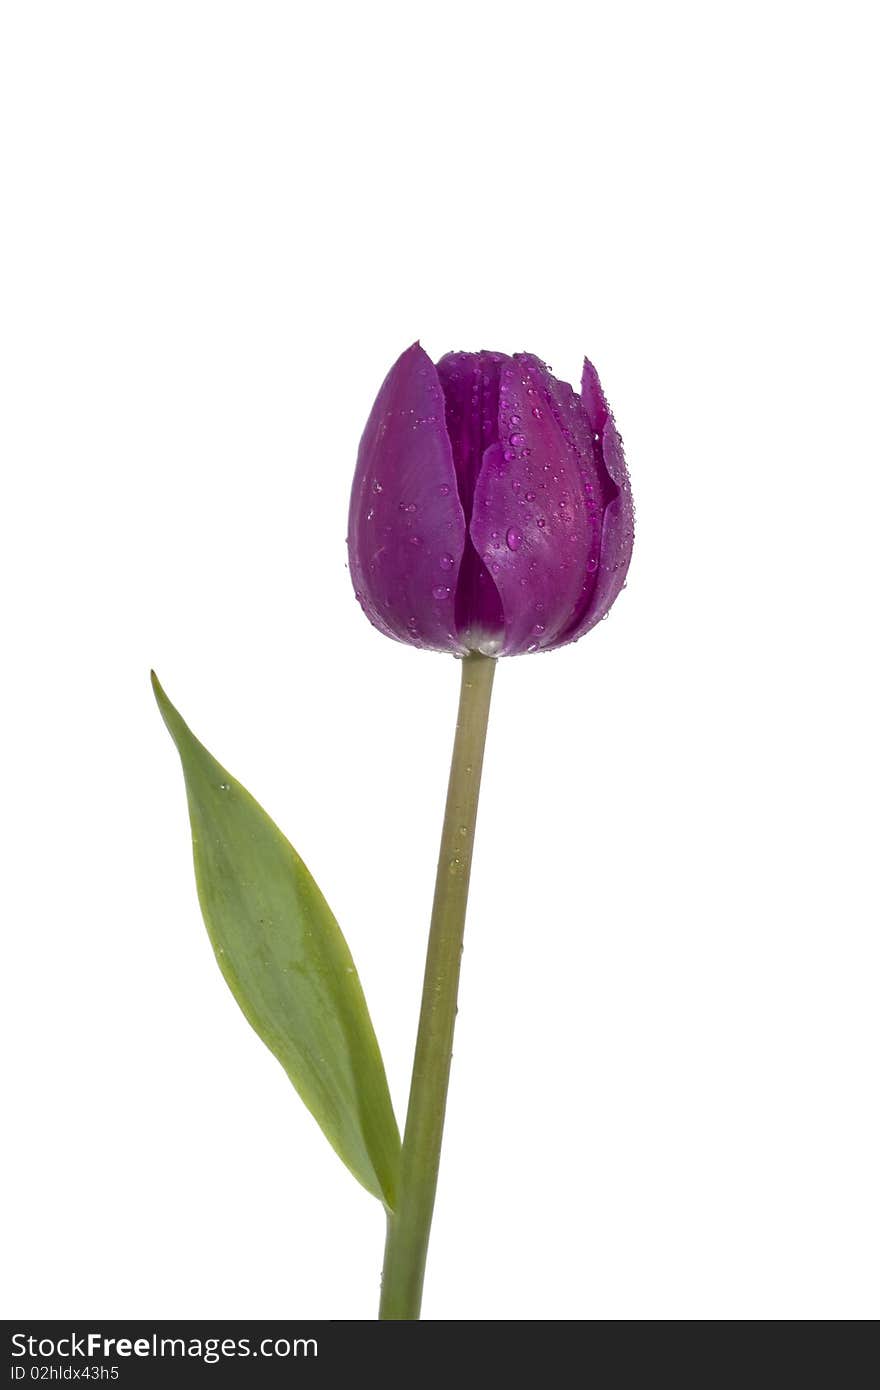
409,1226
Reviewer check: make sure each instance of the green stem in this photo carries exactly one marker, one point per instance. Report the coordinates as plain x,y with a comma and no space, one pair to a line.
409,1226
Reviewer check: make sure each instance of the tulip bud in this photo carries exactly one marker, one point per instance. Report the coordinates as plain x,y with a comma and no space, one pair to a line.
491,509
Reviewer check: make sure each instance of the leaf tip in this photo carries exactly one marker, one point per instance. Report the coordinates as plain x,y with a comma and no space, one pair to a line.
170,715
161,698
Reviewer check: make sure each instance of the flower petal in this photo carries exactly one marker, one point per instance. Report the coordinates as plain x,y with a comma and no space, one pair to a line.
612,489
470,383
406,528
530,522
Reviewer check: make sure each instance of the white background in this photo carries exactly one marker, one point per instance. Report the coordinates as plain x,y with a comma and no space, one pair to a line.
222,224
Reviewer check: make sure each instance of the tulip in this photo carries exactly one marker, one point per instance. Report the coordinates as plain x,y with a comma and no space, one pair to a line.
491,509
491,514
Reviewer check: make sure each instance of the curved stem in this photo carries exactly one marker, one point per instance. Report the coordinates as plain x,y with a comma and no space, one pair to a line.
409,1226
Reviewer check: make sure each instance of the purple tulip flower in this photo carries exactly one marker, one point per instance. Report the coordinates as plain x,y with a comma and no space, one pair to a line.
491,509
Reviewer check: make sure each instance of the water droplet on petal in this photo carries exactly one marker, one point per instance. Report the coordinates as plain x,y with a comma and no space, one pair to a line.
592,564
514,538
377,486
441,591
446,562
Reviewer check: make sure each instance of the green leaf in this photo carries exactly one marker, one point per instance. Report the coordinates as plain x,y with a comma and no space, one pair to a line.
286,961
